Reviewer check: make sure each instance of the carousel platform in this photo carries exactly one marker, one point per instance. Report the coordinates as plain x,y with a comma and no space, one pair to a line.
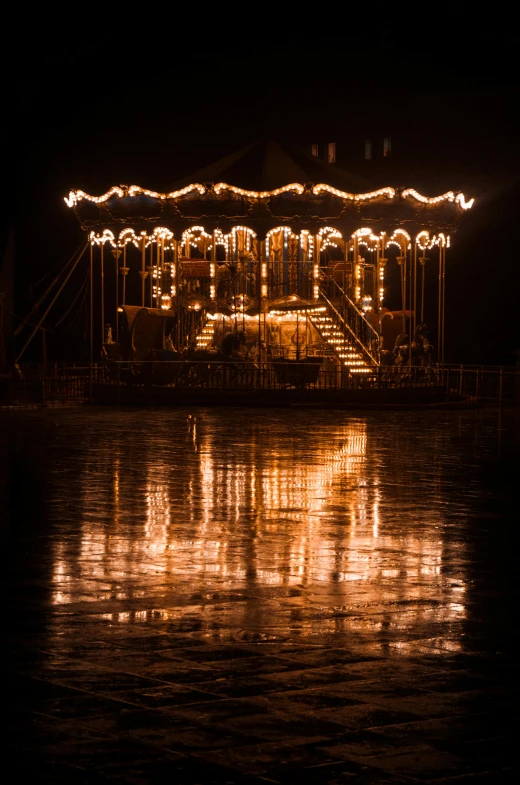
196,384
398,397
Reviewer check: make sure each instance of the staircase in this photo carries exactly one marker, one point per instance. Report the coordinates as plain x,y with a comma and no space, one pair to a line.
347,334
350,336
340,344
205,337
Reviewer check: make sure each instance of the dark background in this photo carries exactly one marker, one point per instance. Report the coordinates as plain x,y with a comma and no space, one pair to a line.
106,110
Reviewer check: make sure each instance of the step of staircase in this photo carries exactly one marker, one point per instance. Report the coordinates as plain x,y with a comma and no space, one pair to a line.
205,337
341,345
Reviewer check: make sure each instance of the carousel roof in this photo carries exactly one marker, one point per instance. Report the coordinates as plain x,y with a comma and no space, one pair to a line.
266,164
263,185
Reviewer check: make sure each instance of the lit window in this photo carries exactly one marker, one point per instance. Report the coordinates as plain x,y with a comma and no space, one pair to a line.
368,149
315,150
387,146
331,152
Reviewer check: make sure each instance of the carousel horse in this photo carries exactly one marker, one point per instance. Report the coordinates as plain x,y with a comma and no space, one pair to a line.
232,344
422,336
401,349
204,363
258,348
421,352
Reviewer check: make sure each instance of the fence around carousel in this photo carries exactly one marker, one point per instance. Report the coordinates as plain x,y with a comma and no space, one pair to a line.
120,381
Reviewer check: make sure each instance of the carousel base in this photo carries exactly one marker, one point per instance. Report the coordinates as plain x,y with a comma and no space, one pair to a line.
402,397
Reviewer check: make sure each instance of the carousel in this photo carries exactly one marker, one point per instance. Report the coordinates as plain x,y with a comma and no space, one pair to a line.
291,264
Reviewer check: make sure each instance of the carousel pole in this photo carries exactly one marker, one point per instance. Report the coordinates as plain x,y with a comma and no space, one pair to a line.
439,305
404,271
243,282
213,268
259,295
382,264
299,265
410,300
116,253
422,261
144,274
316,268
345,254
158,276
383,260
401,261
285,263
91,355
124,272
357,271
415,285
177,311
297,336
376,282
443,297
161,274
150,269
262,292
102,294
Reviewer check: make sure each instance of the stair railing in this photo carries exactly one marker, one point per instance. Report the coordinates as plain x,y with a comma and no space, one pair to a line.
353,323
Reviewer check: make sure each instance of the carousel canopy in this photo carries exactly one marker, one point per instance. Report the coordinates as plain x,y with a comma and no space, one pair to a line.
263,186
265,165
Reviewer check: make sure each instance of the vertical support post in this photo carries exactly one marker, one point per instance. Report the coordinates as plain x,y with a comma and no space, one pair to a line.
382,264
401,261
117,254
259,295
124,272
163,257
422,260
357,271
411,331
212,268
443,296
91,355
102,294
144,274
177,311
376,281
414,285
439,308
345,254
285,263
263,291
404,272
150,270
316,268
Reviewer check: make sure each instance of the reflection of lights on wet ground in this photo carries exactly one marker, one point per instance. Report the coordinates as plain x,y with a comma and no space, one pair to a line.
258,513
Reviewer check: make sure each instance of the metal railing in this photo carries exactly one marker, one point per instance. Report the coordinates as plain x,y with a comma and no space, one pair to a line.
155,381
351,321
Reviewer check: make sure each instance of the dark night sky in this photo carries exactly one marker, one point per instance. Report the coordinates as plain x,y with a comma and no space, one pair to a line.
100,118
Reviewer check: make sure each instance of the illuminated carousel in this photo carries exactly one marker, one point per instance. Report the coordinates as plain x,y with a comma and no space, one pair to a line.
294,273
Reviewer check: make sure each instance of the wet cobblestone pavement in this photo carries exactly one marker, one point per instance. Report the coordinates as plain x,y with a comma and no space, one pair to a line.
248,596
